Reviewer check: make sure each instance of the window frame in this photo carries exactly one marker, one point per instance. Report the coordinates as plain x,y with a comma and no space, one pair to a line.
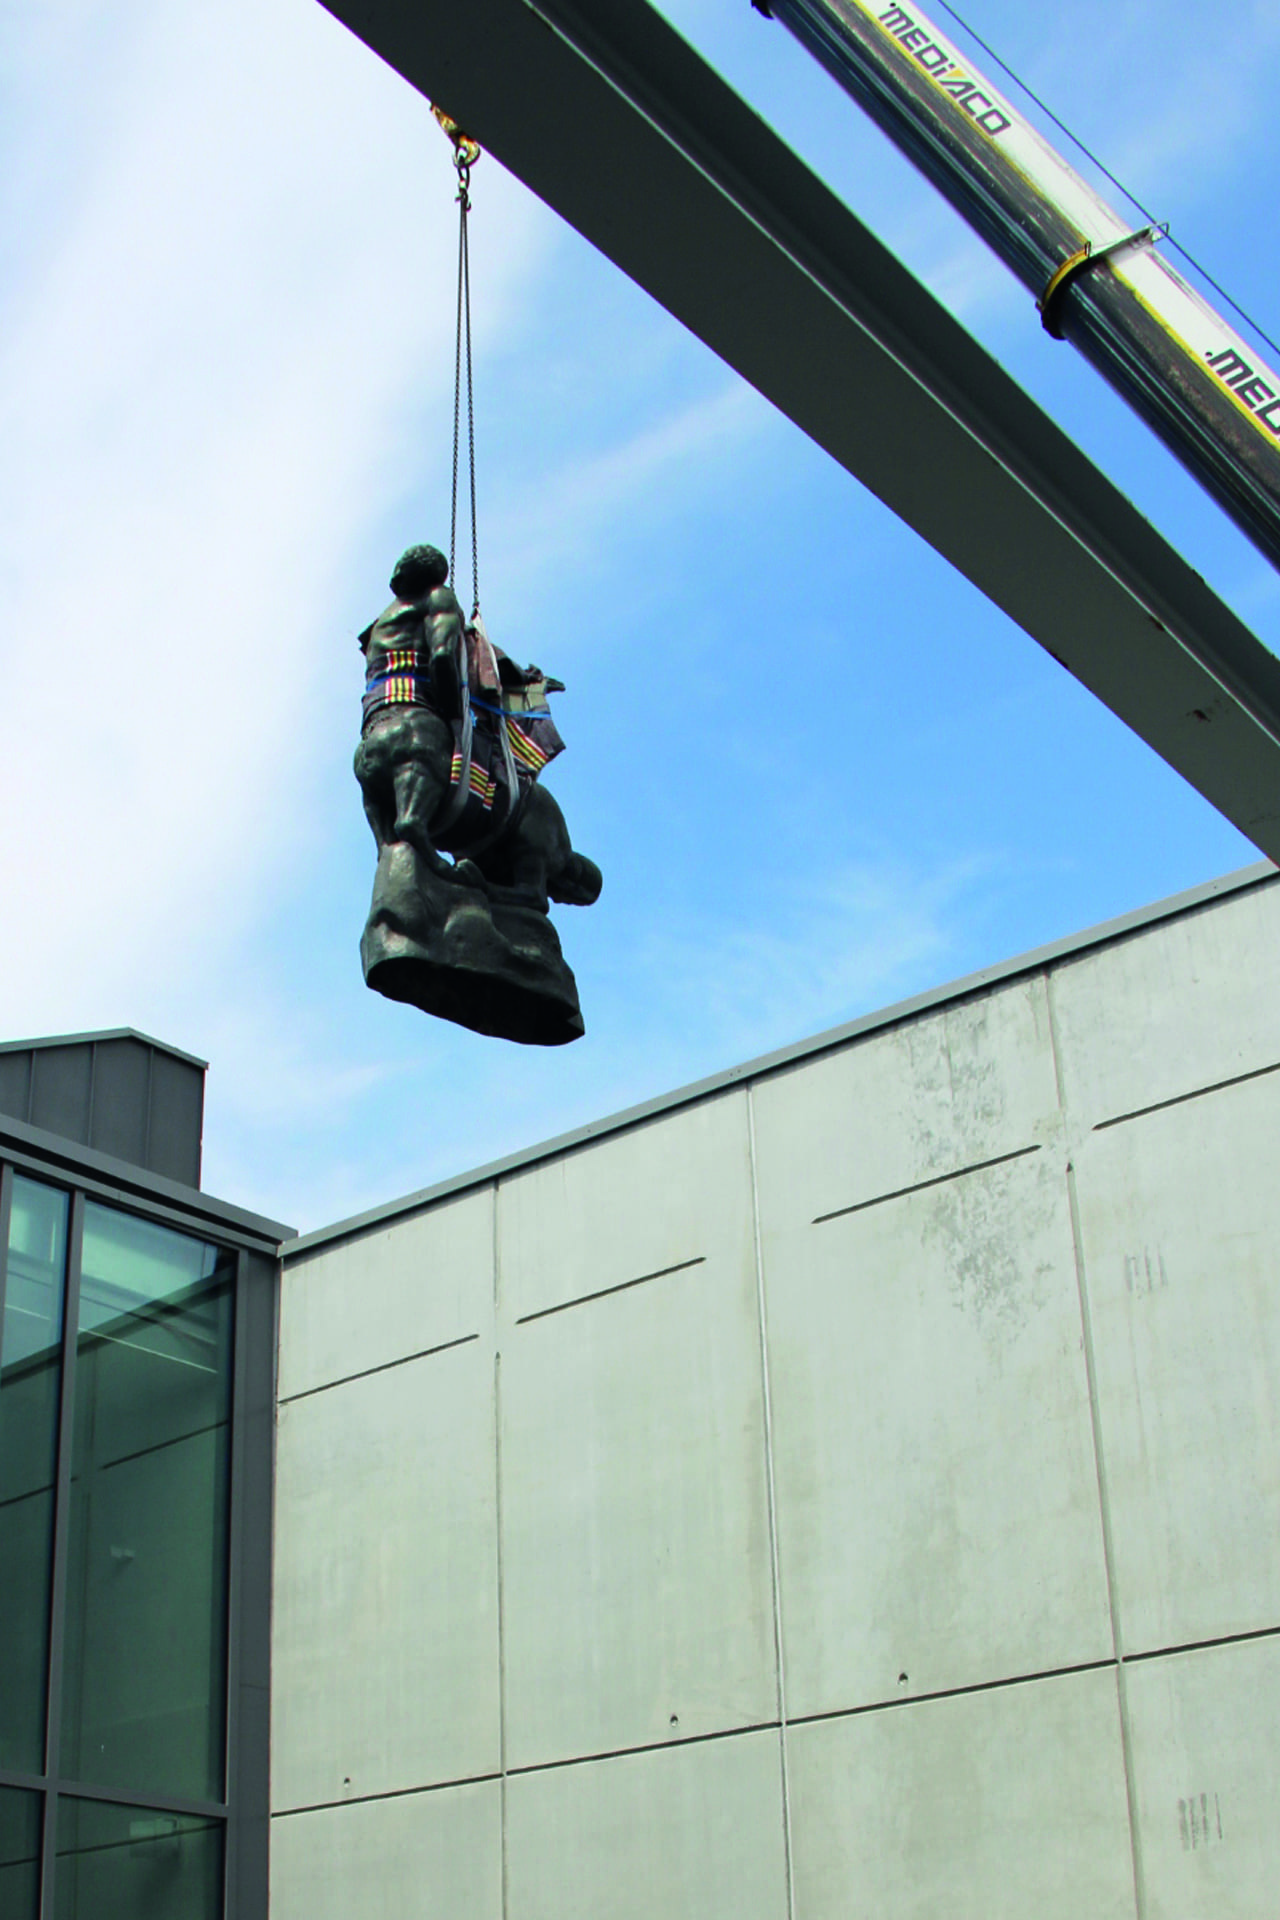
243,1813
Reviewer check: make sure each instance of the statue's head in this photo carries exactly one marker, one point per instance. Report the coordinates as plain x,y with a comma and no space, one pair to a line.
418,571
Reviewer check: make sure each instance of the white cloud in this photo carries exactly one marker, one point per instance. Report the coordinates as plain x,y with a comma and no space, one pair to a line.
218,376
558,526
281,1067
828,947
1165,86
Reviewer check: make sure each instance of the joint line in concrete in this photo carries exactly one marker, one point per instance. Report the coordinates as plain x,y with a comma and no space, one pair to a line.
919,1186
775,1565
1180,1099
1100,1468
402,1360
602,1293
893,1703
497,1482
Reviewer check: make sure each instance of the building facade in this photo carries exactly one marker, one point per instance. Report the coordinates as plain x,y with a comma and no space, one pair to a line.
137,1326
849,1487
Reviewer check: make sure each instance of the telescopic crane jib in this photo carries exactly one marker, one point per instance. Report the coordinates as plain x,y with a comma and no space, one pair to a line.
1098,282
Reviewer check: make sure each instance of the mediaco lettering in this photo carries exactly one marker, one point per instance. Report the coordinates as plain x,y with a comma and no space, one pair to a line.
1235,372
938,63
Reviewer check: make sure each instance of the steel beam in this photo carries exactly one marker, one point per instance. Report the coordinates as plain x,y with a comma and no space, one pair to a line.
613,120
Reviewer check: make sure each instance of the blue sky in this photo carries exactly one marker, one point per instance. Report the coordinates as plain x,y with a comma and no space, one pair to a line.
226,353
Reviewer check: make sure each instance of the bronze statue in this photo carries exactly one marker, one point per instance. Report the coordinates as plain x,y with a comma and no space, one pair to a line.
454,738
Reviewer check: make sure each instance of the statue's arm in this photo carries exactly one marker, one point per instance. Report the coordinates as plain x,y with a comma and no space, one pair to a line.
443,632
442,620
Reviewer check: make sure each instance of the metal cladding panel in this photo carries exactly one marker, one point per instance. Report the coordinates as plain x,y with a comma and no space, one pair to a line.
118,1093
177,1118
62,1090
121,1085
250,1782
15,1085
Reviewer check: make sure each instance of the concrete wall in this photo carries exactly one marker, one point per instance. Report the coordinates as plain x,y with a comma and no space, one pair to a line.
854,1493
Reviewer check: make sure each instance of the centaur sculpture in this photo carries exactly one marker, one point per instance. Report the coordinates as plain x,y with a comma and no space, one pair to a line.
454,738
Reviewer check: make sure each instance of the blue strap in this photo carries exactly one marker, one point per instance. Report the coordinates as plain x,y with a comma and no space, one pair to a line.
530,713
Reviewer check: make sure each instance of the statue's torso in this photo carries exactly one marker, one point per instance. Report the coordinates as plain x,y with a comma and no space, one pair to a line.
398,649
421,624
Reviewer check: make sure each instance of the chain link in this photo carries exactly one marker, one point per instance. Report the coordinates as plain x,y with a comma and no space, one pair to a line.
463,334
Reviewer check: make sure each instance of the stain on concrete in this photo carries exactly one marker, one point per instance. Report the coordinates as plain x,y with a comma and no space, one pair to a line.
1199,1822
991,1227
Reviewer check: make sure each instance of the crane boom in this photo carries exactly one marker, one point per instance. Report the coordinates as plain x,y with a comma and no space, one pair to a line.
1099,283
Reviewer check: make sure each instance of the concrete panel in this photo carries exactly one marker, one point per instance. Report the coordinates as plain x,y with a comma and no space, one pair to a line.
936,1485
694,1833
637,1602
1008,1804
1181,1006
394,1292
1204,1735
958,1086
646,1200
385,1661
1180,1213
420,1853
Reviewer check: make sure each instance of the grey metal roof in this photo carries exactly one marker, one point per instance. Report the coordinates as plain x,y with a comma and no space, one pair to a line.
122,1180
108,1033
1259,874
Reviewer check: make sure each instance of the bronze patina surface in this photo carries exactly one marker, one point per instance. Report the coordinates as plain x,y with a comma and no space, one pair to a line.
459,924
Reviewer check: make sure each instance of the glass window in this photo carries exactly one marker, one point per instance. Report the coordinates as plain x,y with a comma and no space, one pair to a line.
30,1379
127,1863
144,1676
20,1853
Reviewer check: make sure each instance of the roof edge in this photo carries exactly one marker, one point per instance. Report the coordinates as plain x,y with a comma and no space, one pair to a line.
121,1180
107,1033
1070,945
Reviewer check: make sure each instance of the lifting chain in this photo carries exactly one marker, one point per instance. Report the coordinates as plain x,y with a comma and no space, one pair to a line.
465,154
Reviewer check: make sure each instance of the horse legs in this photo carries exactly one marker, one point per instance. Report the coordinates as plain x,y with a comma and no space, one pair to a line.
380,826
403,764
578,882
539,859
377,791
420,789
